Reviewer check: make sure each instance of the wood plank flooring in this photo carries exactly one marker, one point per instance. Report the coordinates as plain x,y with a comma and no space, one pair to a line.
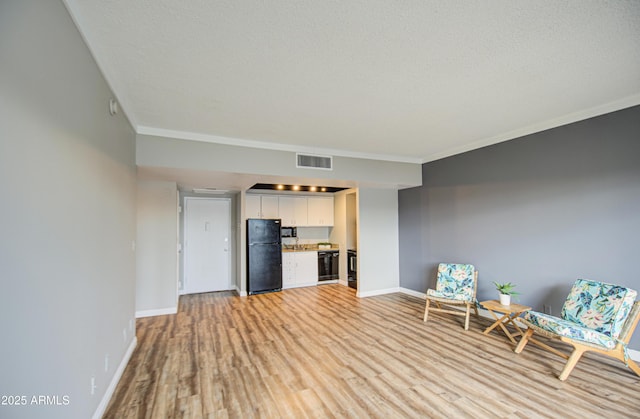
321,352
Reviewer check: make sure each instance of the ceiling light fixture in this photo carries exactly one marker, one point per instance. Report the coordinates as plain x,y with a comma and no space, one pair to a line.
295,188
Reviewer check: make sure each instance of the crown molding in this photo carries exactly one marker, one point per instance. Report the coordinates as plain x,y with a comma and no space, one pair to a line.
570,118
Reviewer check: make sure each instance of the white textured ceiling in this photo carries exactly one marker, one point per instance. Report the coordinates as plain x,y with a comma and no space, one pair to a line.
403,80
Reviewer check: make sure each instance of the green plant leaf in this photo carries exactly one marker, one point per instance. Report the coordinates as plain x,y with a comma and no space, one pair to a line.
506,288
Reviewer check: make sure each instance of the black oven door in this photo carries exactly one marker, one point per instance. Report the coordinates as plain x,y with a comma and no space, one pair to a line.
328,265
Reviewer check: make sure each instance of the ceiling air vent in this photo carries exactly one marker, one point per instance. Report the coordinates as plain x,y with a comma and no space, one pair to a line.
312,161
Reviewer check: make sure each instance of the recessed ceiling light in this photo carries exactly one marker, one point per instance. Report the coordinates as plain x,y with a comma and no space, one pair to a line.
296,188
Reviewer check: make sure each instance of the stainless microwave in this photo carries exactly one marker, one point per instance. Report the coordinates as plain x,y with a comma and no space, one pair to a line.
289,231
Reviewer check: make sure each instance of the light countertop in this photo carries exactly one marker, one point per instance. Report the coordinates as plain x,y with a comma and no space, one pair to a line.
305,248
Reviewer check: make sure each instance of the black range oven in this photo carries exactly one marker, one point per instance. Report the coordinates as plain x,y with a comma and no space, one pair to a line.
328,265
352,268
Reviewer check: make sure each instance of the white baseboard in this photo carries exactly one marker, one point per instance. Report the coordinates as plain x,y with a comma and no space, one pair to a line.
328,281
377,292
414,293
633,354
241,293
156,312
114,381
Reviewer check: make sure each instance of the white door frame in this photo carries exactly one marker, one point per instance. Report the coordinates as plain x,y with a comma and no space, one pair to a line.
230,285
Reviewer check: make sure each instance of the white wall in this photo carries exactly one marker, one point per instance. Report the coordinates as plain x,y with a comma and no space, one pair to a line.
156,248
67,181
162,152
339,232
352,221
378,255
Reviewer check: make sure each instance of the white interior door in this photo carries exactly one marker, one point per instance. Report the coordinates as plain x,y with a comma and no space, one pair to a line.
207,229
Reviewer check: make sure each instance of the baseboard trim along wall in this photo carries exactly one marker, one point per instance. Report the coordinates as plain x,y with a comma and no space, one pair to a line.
114,381
377,292
241,293
157,312
633,354
413,293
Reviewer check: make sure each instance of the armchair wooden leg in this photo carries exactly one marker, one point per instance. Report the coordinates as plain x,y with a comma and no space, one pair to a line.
426,311
466,317
571,362
634,367
523,341
475,308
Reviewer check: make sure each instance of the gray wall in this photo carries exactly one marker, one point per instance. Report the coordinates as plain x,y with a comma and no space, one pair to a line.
67,218
540,211
156,248
377,222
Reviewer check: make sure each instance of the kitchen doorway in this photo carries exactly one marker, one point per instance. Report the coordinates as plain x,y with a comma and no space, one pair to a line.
206,247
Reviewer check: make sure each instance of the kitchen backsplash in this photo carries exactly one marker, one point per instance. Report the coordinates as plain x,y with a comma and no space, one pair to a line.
309,235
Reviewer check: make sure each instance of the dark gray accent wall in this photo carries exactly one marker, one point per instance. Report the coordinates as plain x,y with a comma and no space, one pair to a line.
67,219
539,211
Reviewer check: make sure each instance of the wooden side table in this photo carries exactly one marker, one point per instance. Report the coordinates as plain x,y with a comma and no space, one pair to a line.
510,312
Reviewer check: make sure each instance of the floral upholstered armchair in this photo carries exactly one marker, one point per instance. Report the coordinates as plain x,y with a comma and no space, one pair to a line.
595,317
456,284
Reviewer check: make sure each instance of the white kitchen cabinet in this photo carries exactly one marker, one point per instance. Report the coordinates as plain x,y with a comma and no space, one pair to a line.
269,206
320,211
288,270
299,269
306,268
293,210
261,206
252,206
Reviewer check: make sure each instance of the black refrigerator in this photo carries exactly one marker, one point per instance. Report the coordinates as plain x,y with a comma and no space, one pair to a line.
264,256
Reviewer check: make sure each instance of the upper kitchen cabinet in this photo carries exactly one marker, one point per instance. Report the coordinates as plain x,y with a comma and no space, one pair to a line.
261,206
293,210
320,211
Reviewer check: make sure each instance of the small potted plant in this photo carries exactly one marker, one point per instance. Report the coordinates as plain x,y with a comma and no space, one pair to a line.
506,291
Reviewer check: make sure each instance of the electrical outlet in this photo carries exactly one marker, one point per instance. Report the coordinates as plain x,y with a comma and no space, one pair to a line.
93,385
124,334
106,363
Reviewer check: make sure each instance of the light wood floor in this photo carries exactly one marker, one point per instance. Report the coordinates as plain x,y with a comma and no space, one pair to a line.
322,352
